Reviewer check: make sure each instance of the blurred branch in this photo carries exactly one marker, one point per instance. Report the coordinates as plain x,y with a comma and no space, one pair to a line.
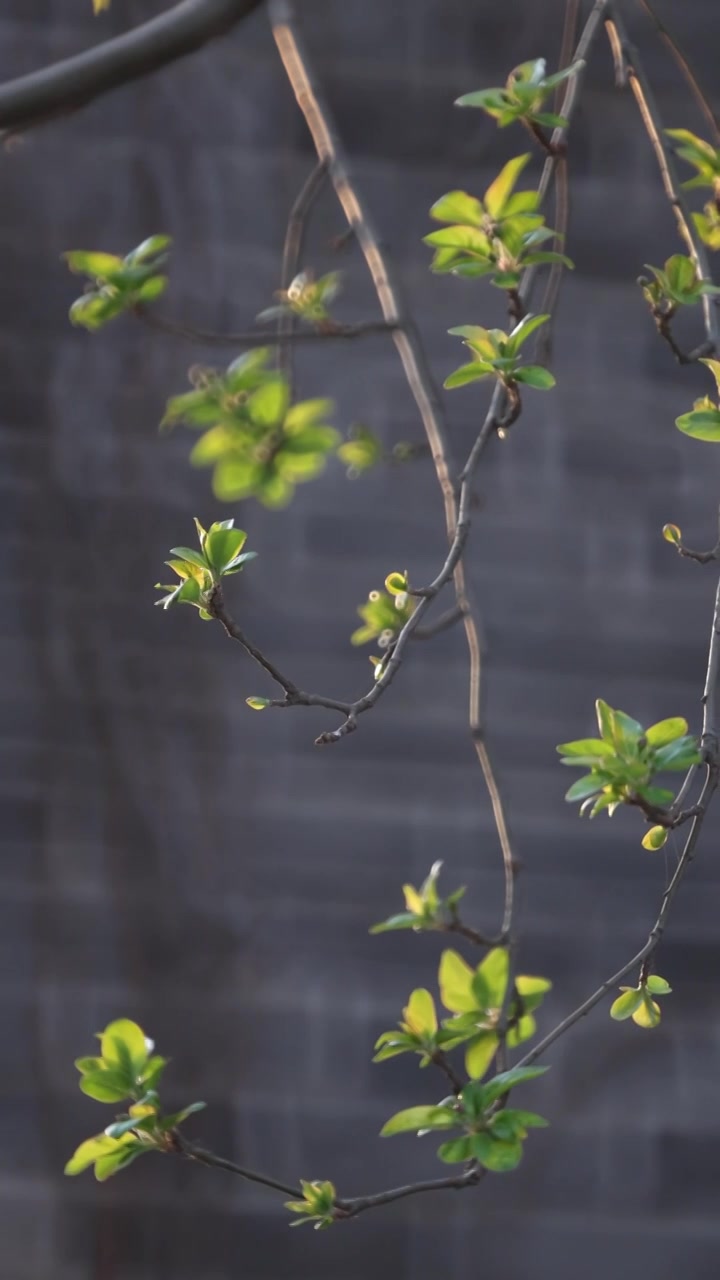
257,337
292,254
73,83
653,125
685,68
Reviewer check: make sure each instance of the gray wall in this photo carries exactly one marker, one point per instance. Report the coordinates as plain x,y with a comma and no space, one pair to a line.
170,856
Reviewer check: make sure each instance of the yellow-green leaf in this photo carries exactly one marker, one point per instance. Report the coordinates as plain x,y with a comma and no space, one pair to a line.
655,838
480,1053
419,1014
455,979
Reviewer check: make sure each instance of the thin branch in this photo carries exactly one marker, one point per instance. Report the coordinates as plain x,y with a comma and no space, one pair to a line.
685,68
256,337
66,86
709,741
651,119
653,939
441,1060
443,623
702,557
201,1156
292,254
709,737
351,1208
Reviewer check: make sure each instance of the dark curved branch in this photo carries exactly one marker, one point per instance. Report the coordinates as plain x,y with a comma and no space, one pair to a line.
71,84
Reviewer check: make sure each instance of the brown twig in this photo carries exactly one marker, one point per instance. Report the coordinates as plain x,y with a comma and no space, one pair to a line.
651,119
201,1156
292,254
443,623
685,68
66,86
256,337
702,557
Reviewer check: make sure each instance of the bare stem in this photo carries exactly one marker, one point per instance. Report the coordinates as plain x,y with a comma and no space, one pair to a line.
201,1156
256,337
292,253
685,69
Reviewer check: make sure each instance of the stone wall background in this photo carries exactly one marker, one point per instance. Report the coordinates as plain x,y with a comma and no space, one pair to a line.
170,856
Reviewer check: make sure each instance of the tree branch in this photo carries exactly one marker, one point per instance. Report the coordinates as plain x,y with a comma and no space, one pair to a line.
66,86
292,253
191,1152
685,68
256,337
653,126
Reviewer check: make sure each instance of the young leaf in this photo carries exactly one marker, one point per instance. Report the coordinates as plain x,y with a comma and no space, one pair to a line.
419,1013
455,978
658,986
626,1004
480,1053
415,1118
665,731
655,838
500,190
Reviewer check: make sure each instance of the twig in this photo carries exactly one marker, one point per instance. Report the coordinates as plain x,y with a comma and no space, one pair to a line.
441,1060
663,153
292,254
443,623
685,68
702,557
418,376
65,86
709,736
201,1156
256,337
360,1204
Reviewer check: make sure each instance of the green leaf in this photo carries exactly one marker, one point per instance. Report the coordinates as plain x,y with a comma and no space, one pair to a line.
458,206
585,747
106,1086
657,795
535,376
658,986
523,330
187,553
414,1118
113,1163
455,978
606,721
222,545
455,1151
700,424
499,1157
419,1013
405,920
471,373
671,533
587,786
99,266
171,1122
647,1014
459,237
501,189
480,1053
89,1064
665,731
491,978
626,1004
149,248
508,1080
88,1152
258,704
152,289
267,406
524,1029
655,838
306,413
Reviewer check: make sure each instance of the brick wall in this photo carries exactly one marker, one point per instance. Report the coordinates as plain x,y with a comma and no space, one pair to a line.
168,855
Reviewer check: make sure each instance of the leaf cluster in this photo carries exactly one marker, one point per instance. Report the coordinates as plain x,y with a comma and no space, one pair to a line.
491,1136
424,908
523,96
476,1001
637,1002
677,284
258,444
306,298
317,1205
384,615
624,759
497,236
125,1068
219,556
496,354
117,284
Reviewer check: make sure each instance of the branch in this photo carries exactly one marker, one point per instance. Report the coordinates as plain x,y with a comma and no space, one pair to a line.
709,742
653,125
702,557
685,68
351,1208
191,1152
256,337
66,86
292,253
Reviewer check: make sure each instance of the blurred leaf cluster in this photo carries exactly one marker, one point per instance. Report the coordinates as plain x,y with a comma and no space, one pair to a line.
496,354
523,97
117,284
220,555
